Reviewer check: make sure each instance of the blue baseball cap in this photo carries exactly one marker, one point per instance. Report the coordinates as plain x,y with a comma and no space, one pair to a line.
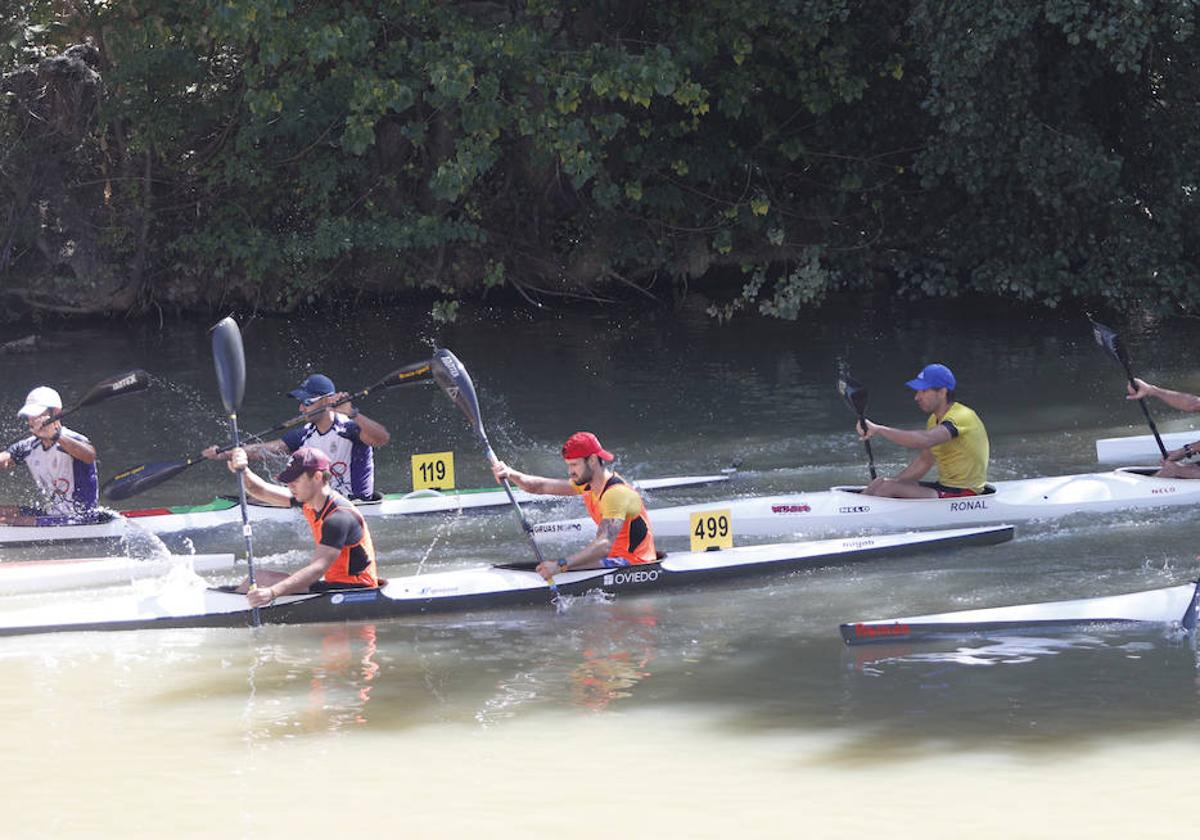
316,385
933,376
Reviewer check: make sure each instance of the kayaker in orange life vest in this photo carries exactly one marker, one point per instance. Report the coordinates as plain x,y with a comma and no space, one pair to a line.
344,557
623,533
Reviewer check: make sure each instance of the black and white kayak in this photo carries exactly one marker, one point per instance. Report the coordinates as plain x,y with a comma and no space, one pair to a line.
223,511
1140,449
19,577
844,510
1168,606
484,587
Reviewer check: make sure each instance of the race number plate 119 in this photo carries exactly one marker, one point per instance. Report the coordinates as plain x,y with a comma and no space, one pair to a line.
433,470
711,529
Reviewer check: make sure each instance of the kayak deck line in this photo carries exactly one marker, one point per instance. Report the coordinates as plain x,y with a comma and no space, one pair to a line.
479,588
226,511
1167,606
845,509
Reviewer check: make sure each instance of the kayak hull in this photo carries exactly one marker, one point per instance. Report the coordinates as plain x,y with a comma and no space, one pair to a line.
226,512
1172,605
846,510
485,587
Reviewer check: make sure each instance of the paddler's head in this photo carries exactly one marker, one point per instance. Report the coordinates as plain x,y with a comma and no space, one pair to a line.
935,386
584,456
306,474
312,390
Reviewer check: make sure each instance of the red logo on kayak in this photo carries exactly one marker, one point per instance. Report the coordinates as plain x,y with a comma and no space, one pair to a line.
880,631
790,509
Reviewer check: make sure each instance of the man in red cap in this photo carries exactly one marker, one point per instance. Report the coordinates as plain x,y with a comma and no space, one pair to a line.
344,557
623,533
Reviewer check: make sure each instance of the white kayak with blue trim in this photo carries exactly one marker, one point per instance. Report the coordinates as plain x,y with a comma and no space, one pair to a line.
845,510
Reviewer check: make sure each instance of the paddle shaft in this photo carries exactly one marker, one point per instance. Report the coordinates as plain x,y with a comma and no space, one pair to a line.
229,359
144,477
525,526
1110,342
862,419
855,396
452,376
1145,410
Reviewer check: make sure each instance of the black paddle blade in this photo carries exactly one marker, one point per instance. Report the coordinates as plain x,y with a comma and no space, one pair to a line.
854,393
1110,342
125,485
230,361
450,374
416,373
124,383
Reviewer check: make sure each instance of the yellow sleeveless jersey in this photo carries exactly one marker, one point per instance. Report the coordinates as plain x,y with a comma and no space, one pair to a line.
962,461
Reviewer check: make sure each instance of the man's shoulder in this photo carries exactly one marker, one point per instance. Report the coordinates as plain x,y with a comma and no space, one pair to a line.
961,411
74,435
21,449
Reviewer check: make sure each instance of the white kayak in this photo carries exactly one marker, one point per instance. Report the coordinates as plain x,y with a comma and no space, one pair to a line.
226,512
478,588
1169,606
18,577
844,510
1140,449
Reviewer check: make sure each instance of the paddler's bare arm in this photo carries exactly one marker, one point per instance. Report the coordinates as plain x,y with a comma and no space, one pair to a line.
1176,399
591,555
918,467
298,581
911,439
533,483
265,492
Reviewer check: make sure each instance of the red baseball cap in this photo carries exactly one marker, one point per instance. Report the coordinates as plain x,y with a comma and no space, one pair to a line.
304,460
583,444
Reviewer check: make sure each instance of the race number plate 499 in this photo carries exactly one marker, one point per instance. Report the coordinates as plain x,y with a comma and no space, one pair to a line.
711,529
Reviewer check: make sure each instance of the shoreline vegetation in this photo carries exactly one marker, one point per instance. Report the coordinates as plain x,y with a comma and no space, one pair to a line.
159,159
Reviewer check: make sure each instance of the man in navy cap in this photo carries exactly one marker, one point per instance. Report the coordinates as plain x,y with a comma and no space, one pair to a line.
954,439
344,434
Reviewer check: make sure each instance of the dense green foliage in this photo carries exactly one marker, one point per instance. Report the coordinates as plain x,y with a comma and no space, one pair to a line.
277,152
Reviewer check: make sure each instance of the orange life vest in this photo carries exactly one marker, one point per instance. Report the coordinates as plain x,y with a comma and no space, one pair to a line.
635,543
356,563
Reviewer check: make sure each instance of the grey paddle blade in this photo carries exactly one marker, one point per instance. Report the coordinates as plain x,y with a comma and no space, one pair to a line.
230,361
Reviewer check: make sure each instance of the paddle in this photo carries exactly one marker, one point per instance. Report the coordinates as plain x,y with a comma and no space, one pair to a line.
123,383
230,361
1111,343
141,478
855,396
449,373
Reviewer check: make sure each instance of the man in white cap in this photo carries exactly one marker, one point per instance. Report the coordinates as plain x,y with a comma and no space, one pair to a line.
61,461
954,439
343,433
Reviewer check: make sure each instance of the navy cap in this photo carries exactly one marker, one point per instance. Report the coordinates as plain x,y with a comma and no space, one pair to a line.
316,385
933,376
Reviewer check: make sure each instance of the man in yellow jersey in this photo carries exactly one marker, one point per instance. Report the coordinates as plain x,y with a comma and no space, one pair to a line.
953,438
623,534
1181,462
